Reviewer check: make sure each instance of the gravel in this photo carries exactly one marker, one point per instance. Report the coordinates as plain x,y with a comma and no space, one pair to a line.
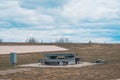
59,66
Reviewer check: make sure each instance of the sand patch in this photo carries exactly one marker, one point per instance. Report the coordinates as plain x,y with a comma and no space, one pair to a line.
59,66
29,49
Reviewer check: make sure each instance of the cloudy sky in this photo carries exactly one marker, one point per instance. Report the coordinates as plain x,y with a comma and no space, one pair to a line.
48,20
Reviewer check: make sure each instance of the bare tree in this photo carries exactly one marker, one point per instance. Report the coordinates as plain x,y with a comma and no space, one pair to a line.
1,40
62,40
90,42
31,40
41,41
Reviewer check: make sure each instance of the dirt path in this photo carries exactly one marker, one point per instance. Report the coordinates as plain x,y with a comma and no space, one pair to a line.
74,66
10,71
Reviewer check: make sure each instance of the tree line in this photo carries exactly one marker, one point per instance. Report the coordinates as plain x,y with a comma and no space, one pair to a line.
35,40
60,40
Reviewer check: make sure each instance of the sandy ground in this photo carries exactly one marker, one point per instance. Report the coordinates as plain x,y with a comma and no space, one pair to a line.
76,65
27,49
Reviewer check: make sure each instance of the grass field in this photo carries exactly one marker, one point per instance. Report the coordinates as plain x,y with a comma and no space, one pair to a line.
89,52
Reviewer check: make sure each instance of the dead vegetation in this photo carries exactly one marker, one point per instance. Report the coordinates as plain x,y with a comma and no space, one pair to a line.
89,52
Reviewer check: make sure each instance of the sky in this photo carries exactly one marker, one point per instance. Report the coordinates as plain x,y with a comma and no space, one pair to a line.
78,20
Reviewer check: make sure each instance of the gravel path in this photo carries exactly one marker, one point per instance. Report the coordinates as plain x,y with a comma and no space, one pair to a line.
10,71
76,65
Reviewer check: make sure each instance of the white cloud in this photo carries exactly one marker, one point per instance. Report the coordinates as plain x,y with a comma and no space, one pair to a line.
11,11
92,10
80,35
79,20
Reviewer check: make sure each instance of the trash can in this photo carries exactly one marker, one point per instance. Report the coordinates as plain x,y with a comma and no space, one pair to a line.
13,58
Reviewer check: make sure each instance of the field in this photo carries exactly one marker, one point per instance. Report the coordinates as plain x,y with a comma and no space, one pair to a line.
89,52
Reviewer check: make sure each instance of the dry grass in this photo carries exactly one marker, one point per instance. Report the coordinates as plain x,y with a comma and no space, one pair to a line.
89,52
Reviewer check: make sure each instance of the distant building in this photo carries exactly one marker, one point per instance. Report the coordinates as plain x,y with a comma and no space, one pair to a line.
60,59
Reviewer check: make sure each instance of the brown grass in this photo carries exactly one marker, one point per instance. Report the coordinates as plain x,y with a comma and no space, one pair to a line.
89,52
